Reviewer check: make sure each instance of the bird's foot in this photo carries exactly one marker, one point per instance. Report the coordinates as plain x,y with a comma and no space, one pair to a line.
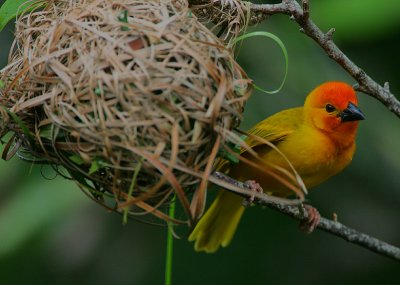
308,225
254,186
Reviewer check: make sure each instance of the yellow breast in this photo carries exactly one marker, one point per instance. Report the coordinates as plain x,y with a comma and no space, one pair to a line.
314,155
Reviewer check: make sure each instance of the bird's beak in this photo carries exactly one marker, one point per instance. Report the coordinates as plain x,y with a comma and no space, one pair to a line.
351,113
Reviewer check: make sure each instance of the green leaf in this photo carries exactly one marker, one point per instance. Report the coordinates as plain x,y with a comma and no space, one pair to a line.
76,159
12,8
80,178
281,45
83,182
96,165
98,91
46,132
231,157
123,17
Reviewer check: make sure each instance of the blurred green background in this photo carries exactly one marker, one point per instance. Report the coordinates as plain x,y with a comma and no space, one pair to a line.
50,233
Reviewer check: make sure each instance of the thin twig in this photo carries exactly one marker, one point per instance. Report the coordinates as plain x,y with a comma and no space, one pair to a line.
300,14
332,227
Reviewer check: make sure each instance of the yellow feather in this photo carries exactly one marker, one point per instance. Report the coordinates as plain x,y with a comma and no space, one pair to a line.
218,225
317,142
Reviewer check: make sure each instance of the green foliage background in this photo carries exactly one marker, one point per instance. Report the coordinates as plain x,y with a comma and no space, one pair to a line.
50,233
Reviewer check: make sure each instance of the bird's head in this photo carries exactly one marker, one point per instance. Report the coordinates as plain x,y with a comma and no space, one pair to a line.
332,107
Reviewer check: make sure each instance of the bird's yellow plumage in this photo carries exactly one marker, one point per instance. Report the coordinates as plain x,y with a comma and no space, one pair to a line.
319,141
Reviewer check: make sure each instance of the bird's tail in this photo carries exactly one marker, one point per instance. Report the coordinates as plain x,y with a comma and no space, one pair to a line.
218,225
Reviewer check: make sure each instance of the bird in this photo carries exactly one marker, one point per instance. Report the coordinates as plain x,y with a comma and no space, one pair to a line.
319,141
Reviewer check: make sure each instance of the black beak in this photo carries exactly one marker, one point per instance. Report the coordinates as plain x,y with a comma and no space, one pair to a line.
351,113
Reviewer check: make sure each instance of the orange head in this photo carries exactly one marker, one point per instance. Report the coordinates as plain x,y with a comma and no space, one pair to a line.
332,108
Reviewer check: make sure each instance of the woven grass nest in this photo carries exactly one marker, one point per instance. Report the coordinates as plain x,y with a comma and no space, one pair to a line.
133,99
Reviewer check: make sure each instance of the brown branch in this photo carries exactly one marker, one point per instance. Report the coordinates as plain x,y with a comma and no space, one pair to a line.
300,14
332,227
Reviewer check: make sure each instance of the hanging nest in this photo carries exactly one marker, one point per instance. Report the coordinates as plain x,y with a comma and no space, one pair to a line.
132,98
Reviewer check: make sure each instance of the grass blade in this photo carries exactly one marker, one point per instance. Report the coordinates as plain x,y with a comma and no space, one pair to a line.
281,45
170,246
12,8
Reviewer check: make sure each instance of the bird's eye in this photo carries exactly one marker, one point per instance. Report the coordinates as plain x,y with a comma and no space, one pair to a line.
329,108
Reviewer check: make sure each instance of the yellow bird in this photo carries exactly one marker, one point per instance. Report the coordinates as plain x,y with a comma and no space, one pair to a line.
319,141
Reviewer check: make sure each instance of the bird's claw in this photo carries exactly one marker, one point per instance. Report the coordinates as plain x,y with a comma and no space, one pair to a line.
254,186
313,218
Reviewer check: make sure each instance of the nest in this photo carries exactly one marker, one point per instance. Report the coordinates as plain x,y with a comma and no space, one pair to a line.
132,99
228,18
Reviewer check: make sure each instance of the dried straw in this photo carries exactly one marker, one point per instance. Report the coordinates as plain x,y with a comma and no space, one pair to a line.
122,94
229,18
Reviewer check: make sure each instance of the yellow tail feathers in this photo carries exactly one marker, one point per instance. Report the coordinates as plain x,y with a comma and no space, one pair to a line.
218,225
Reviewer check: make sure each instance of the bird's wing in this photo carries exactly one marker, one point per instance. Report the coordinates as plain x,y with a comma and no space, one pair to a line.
275,128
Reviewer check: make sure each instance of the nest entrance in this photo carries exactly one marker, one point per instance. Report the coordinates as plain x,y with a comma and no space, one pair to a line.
132,98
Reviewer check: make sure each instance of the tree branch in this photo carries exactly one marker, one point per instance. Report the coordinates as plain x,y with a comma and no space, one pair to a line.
332,227
300,14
